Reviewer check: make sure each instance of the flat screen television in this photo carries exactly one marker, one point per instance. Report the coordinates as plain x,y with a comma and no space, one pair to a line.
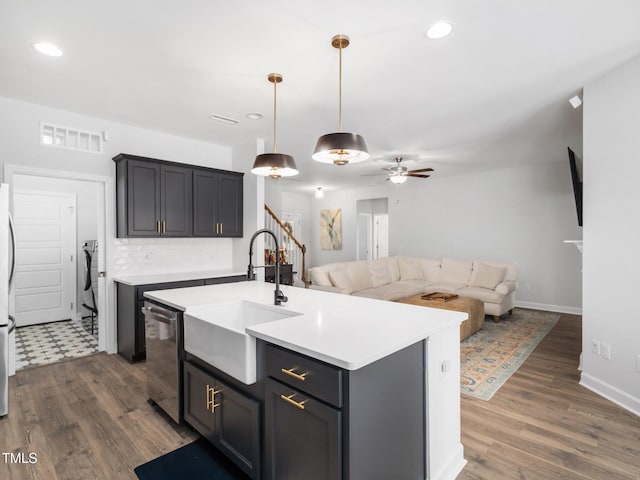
577,183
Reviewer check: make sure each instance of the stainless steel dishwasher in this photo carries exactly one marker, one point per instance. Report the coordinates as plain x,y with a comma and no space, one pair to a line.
163,334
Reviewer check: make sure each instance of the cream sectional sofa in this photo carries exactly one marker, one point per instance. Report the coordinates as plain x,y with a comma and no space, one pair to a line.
393,278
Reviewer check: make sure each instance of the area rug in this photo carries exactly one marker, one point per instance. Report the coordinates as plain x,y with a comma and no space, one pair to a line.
196,461
489,357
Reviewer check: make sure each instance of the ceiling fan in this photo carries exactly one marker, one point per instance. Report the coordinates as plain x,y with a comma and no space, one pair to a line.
399,174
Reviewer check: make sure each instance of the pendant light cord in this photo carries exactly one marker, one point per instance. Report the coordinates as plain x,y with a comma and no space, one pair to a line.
340,92
274,117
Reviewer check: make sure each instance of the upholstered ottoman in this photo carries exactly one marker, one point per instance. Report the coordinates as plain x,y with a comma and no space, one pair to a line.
472,307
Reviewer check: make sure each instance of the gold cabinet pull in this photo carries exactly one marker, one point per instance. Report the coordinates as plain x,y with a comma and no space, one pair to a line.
291,373
158,226
217,228
288,398
211,398
221,225
164,227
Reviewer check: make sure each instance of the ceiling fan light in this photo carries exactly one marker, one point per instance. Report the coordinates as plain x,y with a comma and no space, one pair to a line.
319,193
274,165
398,179
341,148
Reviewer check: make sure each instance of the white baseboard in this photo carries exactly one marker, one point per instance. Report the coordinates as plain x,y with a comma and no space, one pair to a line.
617,396
549,308
451,468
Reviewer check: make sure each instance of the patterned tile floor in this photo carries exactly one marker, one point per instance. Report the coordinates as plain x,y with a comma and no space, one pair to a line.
52,342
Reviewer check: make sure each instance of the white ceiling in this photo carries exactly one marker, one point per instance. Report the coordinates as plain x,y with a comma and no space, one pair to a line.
168,65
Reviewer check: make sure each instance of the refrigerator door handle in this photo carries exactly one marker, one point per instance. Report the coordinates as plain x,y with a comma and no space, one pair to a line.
12,270
12,325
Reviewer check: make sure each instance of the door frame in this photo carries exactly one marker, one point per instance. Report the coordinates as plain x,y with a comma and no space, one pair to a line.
106,234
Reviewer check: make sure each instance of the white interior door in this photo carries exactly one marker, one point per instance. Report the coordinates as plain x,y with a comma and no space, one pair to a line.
381,235
45,282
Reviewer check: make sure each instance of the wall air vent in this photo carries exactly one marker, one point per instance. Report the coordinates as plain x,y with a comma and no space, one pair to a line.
71,138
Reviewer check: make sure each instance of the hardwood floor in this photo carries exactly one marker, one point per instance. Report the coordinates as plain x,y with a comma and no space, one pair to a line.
89,419
542,425
86,418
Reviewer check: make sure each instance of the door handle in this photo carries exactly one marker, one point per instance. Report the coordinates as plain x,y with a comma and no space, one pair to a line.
221,225
288,398
164,227
158,226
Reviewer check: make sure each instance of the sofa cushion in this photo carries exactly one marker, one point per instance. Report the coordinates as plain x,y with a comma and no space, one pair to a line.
341,279
482,294
456,271
486,276
359,273
394,268
320,277
392,292
446,287
409,268
380,272
430,269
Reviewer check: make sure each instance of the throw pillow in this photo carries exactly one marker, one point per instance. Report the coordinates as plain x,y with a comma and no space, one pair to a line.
341,279
320,277
410,268
456,271
380,273
486,276
430,269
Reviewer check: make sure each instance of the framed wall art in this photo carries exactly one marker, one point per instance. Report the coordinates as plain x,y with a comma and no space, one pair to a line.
331,229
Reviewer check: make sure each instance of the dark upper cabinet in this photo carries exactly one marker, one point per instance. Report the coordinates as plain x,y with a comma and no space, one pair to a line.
156,198
217,204
141,205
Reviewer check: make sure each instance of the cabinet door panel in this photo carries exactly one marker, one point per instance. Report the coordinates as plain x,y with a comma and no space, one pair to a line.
205,186
301,443
238,429
197,409
143,199
230,205
177,201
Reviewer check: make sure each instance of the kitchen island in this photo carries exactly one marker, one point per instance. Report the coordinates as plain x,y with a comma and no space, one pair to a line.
342,388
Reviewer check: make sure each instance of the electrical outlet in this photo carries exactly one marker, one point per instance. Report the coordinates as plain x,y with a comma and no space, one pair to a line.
595,347
605,351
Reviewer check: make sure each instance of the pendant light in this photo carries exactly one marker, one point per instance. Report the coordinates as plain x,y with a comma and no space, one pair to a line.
274,165
340,148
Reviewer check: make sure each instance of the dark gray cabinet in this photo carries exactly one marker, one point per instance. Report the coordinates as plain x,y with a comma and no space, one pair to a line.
153,199
224,416
156,198
130,321
323,422
217,204
303,435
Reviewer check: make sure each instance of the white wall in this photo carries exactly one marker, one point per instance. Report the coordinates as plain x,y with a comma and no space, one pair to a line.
86,215
515,205
19,137
612,235
253,199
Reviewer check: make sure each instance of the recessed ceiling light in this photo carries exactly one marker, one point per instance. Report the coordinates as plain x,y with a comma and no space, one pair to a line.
224,119
48,49
439,30
254,116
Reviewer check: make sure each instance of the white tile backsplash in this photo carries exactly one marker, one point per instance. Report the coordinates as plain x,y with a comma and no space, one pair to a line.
143,256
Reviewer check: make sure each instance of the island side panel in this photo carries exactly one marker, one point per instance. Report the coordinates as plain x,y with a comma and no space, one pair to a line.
386,418
445,457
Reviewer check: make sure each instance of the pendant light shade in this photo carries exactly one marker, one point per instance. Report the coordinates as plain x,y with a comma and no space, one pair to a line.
274,165
341,147
398,178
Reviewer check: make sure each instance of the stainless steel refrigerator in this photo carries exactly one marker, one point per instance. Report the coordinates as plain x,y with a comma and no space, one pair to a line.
7,322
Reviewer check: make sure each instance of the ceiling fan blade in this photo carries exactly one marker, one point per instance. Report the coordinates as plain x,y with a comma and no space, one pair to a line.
417,175
421,170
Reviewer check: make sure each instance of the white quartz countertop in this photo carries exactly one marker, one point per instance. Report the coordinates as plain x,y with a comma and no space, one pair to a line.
149,279
343,330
